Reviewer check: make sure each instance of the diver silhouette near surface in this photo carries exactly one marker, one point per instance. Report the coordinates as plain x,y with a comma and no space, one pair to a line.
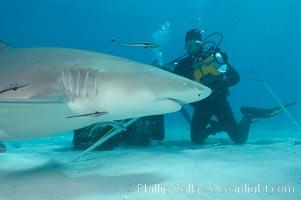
210,67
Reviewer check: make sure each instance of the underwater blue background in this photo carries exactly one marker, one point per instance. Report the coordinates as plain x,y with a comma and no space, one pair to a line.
260,35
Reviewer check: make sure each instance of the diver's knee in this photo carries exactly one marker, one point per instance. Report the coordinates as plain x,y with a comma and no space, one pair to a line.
197,138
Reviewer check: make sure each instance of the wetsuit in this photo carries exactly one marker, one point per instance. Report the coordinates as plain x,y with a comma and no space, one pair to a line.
215,105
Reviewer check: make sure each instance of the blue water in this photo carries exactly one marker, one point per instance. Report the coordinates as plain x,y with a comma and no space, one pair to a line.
262,35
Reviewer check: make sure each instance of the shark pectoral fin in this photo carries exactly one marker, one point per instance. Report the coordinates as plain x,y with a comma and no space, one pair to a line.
94,114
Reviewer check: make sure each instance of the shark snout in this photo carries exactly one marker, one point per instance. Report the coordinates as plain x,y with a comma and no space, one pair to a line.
174,100
193,93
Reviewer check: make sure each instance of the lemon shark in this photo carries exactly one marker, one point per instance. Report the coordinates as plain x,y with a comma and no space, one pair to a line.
51,90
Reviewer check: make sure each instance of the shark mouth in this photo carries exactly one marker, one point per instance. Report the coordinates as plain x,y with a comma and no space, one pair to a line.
177,101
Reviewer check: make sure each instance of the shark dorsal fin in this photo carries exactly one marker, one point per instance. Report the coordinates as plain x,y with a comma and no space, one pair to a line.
3,45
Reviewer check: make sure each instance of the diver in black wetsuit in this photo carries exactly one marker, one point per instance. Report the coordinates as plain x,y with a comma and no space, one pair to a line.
211,68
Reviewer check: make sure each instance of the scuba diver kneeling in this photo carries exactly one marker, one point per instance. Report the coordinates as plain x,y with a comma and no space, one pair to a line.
210,67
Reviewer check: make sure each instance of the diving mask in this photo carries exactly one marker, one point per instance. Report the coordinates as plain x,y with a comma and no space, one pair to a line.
193,46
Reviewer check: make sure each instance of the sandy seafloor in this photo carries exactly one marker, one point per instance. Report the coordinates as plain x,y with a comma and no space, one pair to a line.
44,169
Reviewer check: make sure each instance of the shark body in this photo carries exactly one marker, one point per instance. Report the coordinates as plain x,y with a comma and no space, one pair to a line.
51,90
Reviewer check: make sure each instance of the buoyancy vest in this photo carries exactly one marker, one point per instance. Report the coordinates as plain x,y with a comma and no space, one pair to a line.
209,65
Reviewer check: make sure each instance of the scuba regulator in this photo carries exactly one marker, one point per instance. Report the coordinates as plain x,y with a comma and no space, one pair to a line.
212,63
217,58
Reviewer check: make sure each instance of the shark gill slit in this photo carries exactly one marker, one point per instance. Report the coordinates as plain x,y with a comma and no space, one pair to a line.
64,79
96,85
78,83
86,82
70,82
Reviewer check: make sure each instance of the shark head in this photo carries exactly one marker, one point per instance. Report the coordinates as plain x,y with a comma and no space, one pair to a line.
139,90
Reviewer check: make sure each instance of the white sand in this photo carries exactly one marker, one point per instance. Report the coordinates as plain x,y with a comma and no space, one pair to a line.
43,169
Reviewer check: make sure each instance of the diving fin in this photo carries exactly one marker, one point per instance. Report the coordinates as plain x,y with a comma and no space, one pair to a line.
256,113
